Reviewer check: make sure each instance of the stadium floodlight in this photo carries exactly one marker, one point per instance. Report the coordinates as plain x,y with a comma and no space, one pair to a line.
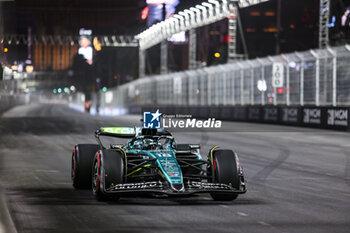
190,19
246,3
193,16
172,25
176,24
203,8
167,28
179,17
198,14
159,30
204,13
211,9
153,31
243,3
181,20
187,19
217,8
226,8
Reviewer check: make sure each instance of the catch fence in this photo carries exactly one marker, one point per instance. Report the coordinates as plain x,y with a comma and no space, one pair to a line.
315,77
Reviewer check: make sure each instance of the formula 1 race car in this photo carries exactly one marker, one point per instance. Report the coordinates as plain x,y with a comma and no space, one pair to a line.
152,162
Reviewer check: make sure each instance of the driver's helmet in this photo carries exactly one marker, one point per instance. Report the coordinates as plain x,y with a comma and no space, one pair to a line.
138,144
148,144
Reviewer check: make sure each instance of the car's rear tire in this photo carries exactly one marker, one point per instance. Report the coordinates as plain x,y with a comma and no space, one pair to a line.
82,159
224,170
107,171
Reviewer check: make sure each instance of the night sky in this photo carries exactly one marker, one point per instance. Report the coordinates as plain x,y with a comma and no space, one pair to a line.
299,32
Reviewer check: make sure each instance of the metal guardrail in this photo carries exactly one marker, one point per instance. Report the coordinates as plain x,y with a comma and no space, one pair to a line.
8,101
315,77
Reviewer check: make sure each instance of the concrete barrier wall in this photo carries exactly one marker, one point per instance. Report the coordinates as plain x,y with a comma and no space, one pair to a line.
77,101
12,100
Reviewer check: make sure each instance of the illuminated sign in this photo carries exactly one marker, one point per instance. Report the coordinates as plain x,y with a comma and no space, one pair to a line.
155,1
144,13
277,74
155,10
85,32
178,38
97,44
29,69
345,19
85,48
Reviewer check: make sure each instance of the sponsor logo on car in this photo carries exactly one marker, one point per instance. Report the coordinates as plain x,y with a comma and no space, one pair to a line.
146,185
119,130
202,185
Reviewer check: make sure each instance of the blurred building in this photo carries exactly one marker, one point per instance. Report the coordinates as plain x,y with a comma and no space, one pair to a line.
64,18
53,57
114,66
299,27
339,26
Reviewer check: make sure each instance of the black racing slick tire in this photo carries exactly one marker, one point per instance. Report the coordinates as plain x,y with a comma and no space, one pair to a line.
107,171
224,168
82,159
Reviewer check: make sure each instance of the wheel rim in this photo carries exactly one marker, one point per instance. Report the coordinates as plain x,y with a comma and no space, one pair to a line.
96,177
73,169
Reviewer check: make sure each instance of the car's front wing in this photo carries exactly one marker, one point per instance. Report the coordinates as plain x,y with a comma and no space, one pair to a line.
189,187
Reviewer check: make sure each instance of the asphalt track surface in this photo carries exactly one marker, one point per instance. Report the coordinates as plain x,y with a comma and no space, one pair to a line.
298,179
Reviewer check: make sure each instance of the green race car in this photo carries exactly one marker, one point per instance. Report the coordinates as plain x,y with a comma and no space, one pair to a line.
152,162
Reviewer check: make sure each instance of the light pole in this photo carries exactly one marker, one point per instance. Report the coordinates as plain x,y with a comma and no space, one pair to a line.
279,9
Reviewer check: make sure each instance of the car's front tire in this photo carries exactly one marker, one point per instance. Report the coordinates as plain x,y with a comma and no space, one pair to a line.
82,159
225,171
107,171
